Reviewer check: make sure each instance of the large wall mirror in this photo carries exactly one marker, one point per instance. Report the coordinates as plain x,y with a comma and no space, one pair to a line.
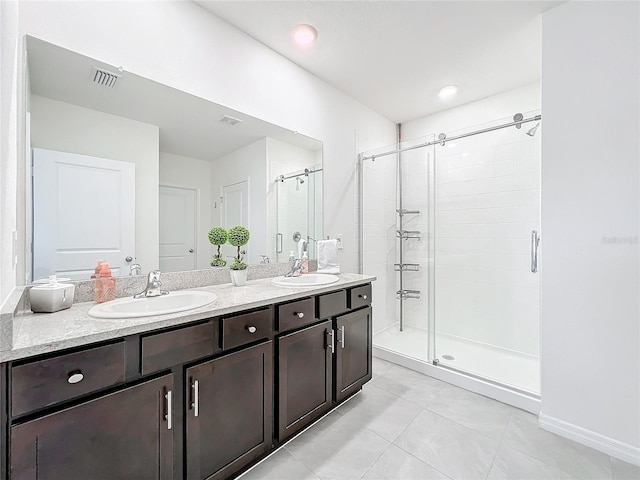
130,171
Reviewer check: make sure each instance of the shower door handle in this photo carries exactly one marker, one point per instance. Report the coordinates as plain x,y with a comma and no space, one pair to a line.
535,241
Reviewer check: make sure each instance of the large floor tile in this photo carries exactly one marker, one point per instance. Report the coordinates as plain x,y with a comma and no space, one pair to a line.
410,385
511,464
457,451
344,450
396,464
624,471
380,367
280,466
380,411
571,459
472,410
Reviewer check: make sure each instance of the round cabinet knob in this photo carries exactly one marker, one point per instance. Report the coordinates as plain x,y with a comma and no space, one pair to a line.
251,329
363,296
75,377
128,259
299,314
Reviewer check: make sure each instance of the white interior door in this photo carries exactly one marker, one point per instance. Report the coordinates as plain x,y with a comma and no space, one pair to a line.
177,229
83,211
235,211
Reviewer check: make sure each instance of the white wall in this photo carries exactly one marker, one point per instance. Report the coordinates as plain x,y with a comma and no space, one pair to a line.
65,127
185,172
181,45
9,126
590,220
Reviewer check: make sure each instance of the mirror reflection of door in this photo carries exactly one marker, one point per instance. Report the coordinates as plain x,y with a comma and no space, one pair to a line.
234,210
177,229
83,211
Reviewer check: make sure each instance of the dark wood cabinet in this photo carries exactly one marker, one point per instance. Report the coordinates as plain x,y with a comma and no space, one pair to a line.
304,377
203,400
353,352
121,435
229,413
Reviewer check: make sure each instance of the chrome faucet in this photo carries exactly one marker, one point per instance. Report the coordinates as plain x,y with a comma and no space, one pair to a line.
295,268
153,286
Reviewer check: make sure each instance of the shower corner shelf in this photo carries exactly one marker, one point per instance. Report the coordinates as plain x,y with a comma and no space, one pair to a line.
403,211
406,267
407,234
404,294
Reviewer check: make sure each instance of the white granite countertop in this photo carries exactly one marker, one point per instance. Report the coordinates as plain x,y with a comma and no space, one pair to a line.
38,333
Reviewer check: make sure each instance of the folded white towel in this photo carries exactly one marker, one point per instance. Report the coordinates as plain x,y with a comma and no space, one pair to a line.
328,256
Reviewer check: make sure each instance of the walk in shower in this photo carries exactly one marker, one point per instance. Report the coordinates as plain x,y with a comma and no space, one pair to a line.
449,225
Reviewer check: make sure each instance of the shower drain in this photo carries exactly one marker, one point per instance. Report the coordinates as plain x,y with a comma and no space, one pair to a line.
448,357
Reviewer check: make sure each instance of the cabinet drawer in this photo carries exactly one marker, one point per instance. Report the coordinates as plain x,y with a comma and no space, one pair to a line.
247,328
47,382
332,304
296,314
167,349
360,296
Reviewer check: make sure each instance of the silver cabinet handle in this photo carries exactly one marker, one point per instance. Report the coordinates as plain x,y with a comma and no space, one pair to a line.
299,314
342,335
535,241
75,377
330,344
168,416
251,329
196,398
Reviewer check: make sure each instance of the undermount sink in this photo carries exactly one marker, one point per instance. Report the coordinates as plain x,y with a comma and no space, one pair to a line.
173,302
306,280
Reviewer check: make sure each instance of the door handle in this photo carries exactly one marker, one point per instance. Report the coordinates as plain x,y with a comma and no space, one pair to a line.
330,344
535,241
168,416
191,250
279,243
196,398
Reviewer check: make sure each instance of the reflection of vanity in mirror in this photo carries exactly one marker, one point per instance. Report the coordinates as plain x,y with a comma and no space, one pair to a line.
134,172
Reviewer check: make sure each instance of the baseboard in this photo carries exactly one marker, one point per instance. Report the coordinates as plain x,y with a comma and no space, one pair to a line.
610,446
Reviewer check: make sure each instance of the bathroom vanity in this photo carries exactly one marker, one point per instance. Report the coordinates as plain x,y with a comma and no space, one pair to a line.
198,395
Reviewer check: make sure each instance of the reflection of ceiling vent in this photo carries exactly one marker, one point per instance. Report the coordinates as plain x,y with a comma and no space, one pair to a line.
104,77
230,120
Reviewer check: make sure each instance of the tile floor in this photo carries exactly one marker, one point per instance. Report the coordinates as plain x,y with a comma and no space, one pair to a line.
405,426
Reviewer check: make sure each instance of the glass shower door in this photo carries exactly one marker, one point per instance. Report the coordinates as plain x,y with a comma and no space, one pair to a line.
487,300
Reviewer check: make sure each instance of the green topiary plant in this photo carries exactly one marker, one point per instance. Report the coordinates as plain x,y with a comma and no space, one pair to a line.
218,236
238,237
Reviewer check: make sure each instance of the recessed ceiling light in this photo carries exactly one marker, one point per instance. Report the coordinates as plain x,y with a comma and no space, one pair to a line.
448,91
304,35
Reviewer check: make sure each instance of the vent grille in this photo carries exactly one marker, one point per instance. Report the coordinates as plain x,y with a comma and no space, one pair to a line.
104,77
230,120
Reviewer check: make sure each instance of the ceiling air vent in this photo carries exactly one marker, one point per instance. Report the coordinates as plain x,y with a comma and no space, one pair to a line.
230,120
104,77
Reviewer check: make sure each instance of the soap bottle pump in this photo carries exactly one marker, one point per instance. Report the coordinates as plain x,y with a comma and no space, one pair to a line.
304,268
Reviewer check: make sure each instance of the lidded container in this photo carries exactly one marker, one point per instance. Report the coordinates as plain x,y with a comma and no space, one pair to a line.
51,296
105,284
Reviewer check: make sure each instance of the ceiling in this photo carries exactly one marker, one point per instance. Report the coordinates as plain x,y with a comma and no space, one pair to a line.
394,56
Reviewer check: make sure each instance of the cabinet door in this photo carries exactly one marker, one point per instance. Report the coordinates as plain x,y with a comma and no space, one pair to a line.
229,412
121,435
353,352
304,377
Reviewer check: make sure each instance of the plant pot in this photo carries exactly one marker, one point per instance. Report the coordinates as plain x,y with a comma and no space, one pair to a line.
239,277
